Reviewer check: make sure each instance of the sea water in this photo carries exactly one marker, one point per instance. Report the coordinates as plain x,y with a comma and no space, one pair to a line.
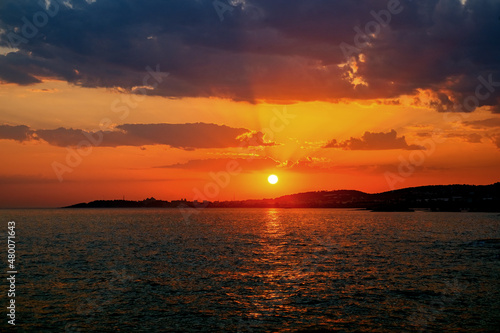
253,270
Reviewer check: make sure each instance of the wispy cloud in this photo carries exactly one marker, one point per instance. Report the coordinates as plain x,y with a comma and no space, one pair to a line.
248,164
485,123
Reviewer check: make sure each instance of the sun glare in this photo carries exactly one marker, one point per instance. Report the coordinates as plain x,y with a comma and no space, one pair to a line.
272,179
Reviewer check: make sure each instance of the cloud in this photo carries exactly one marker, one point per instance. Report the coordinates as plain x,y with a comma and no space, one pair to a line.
19,133
307,165
470,138
183,136
263,50
485,123
26,180
248,164
496,140
50,91
326,165
374,141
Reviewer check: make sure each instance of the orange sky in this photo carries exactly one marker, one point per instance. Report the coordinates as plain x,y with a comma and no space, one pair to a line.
180,99
298,157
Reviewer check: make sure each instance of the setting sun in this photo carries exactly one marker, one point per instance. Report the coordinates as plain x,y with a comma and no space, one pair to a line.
272,179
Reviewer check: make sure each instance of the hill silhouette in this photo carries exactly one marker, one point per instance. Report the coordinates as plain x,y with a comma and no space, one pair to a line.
476,198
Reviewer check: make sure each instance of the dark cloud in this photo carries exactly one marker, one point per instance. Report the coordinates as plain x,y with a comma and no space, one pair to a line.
19,133
264,50
186,136
182,136
374,141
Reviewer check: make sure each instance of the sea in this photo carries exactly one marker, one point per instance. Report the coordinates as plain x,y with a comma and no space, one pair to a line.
253,270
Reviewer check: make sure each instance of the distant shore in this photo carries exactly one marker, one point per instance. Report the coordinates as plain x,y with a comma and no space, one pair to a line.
445,198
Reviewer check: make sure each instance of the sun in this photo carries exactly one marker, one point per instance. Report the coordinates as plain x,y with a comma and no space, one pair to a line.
272,179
